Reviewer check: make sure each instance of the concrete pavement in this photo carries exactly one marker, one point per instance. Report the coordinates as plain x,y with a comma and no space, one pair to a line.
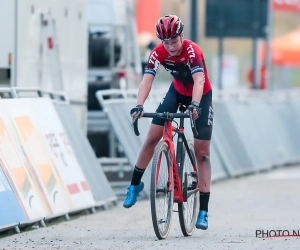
237,209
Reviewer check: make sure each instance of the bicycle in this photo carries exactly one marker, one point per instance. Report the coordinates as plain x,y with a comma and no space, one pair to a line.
180,182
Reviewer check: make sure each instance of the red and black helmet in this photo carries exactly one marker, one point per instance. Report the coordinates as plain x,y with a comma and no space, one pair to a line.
168,27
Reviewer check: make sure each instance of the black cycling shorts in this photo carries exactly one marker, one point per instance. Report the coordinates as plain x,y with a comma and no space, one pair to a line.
204,123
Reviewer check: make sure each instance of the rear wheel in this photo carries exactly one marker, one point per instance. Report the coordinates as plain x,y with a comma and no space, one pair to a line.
189,178
161,191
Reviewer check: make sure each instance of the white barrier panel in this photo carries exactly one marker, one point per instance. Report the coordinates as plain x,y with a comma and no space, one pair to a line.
228,143
290,124
100,187
41,169
61,151
19,170
34,148
261,112
264,132
243,118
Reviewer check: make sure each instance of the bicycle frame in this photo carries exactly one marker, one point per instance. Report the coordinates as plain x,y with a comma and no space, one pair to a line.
179,196
176,161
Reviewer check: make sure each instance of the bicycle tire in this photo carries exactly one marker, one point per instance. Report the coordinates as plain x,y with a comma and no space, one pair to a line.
188,220
156,193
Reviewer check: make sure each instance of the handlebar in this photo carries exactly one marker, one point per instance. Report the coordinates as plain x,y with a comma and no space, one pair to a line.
166,116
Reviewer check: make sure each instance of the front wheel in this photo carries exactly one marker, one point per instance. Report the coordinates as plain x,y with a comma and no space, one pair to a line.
188,210
161,191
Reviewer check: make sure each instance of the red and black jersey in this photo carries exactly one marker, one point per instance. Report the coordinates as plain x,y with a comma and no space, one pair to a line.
181,67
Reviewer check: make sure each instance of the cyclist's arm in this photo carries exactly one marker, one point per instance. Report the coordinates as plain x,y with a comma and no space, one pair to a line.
145,88
152,67
198,86
197,71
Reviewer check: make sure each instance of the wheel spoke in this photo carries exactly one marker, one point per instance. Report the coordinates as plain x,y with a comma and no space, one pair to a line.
188,210
161,199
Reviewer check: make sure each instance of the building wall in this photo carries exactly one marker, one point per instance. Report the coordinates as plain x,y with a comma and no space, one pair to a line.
71,30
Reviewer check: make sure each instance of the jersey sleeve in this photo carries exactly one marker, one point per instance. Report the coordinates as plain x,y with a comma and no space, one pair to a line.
154,61
195,58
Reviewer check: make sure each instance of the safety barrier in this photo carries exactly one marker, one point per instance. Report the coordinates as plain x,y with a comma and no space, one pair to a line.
253,130
47,167
96,178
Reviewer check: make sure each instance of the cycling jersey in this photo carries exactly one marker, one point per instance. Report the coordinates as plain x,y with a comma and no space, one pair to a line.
182,67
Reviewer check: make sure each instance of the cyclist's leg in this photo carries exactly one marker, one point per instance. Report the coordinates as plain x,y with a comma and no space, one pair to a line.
204,126
202,152
202,142
168,104
146,152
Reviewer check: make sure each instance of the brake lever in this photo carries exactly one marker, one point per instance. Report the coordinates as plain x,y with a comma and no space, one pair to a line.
194,129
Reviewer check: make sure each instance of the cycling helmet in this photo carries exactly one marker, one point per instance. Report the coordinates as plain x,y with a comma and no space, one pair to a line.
168,27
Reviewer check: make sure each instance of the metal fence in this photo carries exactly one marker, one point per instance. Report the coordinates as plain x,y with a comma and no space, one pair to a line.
253,131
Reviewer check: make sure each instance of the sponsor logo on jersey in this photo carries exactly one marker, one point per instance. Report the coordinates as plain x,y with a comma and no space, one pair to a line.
153,57
170,61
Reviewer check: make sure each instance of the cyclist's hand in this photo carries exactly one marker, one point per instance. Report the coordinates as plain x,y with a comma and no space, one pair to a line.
195,109
136,110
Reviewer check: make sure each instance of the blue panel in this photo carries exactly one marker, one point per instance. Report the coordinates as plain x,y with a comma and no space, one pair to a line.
10,209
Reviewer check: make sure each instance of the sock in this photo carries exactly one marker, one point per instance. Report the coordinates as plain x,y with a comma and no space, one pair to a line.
204,198
137,176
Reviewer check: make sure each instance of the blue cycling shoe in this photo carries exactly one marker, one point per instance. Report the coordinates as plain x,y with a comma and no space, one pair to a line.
202,222
132,194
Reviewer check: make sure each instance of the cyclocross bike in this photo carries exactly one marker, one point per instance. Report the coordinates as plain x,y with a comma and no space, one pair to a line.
174,177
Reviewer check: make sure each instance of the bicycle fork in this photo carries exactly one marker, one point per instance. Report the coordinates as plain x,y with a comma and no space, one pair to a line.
178,197
173,175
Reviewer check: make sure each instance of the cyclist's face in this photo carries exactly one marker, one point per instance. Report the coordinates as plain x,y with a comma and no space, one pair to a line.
174,46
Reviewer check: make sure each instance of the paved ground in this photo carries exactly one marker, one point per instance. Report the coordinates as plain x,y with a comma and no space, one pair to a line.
238,208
